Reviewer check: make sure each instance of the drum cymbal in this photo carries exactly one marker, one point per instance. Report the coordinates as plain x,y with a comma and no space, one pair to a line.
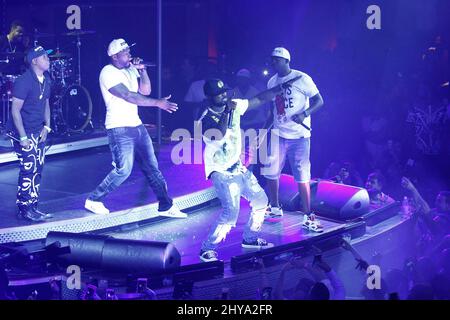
12,54
38,34
60,55
78,33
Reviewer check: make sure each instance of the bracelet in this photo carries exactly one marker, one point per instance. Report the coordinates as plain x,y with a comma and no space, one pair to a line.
48,129
23,138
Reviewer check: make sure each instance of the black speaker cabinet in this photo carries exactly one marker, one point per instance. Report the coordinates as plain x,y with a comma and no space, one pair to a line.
340,201
329,199
121,255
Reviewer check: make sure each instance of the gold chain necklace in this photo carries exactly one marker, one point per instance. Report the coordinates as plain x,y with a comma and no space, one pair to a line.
41,89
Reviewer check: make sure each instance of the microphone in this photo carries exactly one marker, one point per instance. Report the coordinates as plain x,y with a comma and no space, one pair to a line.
144,63
230,119
305,126
148,64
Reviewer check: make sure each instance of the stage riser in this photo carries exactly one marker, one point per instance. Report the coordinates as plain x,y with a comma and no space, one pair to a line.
391,240
113,220
325,242
390,244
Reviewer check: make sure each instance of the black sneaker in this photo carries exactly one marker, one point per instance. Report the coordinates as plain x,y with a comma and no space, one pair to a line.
208,255
42,214
257,244
28,214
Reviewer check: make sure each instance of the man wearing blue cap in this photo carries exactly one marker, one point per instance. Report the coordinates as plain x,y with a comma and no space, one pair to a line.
29,128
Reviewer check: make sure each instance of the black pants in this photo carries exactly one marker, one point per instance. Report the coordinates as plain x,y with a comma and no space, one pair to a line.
31,162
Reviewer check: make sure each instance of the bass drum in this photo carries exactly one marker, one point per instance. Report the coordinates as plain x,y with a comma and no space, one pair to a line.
76,107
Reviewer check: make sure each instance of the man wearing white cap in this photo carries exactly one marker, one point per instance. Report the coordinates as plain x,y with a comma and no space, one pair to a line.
292,122
125,84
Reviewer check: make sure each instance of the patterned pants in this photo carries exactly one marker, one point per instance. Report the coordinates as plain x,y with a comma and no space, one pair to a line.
31,162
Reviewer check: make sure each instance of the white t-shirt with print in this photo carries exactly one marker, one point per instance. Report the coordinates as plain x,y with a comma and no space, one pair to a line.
294,100
119,113
220,155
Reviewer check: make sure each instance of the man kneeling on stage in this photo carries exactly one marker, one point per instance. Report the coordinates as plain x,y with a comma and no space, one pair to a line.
231,179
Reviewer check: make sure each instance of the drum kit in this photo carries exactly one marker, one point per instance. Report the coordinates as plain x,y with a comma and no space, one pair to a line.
70,102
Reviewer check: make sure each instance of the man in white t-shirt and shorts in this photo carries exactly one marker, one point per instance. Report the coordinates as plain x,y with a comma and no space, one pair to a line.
125,84
292,123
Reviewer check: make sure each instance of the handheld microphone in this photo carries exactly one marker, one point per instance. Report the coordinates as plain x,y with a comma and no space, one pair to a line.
144,63
148,64
230,119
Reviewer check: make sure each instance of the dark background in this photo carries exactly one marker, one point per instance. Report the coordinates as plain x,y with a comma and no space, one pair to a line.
362,74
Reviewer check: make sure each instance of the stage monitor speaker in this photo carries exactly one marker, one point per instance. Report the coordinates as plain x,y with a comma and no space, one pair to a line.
120,255
336,201
140,256
339,201
85,249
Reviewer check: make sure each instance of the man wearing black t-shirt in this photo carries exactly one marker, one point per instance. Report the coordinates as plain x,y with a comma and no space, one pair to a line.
13,46
29,128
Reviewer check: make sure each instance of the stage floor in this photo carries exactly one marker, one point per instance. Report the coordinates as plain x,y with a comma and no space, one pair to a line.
188,234
69,178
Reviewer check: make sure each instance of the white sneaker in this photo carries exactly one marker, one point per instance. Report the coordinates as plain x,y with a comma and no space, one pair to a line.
208,256
273,212
173,212
96,207
311,223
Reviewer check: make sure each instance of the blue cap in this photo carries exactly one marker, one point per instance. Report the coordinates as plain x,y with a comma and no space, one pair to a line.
36,52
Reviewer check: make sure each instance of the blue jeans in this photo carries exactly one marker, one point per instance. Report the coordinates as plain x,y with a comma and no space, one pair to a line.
229,189
126,143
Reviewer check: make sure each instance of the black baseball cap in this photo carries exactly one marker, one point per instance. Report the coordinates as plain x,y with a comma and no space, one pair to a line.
214,87
36,52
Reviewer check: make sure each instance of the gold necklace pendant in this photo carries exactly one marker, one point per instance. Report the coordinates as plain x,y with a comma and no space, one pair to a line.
41,89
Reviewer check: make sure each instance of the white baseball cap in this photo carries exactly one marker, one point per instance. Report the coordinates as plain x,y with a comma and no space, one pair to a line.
282,53
118,45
